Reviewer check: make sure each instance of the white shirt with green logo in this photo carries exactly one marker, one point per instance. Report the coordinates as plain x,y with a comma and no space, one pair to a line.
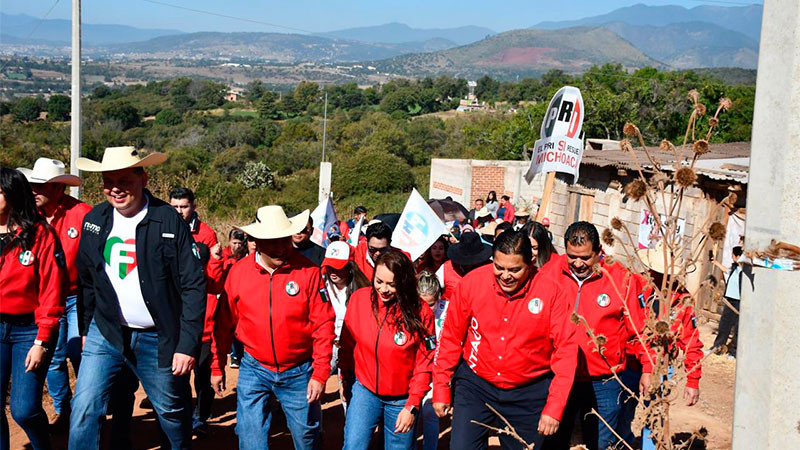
123,270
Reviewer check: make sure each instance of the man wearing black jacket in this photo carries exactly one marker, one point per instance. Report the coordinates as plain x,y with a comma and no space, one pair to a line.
142,300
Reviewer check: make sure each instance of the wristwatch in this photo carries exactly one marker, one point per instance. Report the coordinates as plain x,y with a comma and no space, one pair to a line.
413,410
40,343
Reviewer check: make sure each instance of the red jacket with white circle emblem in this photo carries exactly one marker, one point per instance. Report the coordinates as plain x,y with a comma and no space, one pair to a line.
31,281
602,300
68,223
509,341
386,358
281,318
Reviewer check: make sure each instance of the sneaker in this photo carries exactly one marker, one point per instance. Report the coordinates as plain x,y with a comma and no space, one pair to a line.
730,357
234,364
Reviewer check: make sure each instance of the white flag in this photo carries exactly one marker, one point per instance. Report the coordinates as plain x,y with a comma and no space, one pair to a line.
324,217
355,233
418,227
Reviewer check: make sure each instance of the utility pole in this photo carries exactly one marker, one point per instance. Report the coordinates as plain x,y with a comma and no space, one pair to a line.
767,393
325,168
75,117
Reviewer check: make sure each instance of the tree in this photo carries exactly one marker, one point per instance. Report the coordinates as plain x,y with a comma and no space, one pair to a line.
168,117
486,88
305,93
254,91
58,108
372,170
122,111
28,108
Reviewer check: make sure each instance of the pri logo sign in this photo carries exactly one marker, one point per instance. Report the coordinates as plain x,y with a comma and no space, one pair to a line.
120,255
560,147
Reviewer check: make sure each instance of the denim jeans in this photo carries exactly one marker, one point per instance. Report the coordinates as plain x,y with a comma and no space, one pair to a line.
26,387
430,425
606,397
101,367
68,346
364,412
253,390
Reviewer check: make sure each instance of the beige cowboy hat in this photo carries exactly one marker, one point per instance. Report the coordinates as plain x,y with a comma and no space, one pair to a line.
653,258
272,223
483,212
118,158
522,212
46,170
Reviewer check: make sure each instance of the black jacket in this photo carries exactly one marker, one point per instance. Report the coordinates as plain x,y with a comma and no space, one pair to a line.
170,274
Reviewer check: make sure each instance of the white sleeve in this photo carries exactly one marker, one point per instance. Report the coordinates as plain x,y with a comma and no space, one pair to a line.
440,275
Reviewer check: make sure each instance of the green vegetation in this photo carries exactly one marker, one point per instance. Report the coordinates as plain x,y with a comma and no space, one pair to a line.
267,148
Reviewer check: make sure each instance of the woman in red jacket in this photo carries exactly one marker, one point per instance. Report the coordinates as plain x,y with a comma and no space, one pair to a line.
30,307
386,355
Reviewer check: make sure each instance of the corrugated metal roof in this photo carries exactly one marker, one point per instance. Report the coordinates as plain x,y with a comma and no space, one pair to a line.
729,161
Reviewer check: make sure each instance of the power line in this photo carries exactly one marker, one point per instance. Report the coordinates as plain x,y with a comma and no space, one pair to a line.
226,16
728,2
33,30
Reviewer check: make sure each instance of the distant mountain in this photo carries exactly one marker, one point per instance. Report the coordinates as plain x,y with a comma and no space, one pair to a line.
526,52
744,19
691,44
59,31
398,33
278,47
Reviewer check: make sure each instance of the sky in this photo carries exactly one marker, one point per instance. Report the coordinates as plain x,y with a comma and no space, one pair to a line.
329,15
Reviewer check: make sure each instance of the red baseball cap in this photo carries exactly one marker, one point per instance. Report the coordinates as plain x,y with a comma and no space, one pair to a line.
337,255
546,222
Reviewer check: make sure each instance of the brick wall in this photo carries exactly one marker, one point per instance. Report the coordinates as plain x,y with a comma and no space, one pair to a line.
485,179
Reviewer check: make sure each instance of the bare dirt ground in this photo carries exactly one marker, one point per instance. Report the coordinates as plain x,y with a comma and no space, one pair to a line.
714,412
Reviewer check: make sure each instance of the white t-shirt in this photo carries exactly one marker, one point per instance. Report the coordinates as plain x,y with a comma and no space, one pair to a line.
339,302
123,270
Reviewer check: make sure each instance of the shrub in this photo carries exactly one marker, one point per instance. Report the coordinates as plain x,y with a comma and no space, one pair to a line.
372,170
168,117
58,108
256,175
28,109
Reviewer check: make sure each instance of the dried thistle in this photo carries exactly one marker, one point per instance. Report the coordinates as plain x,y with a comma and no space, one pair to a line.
662,327
636,190
713,122
700,147
616,223
608,237
700,109
574,318
658,179
630,130
600,340
717,231
725,103
694,95
665,145
685,177
730,200
625,145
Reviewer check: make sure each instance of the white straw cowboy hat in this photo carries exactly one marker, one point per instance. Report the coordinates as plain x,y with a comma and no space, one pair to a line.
653,258
118,158
46,170
272,223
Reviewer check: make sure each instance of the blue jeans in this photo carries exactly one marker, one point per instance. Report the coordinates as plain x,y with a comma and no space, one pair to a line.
253,390
68,346
101,366
26,388
430,426
364,412
606,397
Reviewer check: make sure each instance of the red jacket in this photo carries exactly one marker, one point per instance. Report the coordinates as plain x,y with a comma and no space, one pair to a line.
508,215
203,234
388,360
68,223
597,301
31,281
508,341
281,319
451,280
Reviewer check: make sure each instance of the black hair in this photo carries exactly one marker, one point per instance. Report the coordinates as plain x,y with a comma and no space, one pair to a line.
181,193
237,234
502,227
579,233
737,251
480,200
360,210
379,231
537,231
491,196
21,205
357,279
506,198
407,300
513,243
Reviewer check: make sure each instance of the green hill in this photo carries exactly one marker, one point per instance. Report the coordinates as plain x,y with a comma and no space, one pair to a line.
521,53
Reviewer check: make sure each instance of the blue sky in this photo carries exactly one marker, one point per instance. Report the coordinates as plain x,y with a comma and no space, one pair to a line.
322,15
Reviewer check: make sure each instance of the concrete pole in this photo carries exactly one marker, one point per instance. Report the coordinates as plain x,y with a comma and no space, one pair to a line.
767,396
75,117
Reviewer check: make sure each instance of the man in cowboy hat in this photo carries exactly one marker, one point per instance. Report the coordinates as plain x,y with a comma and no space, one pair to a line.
48,179
143,300
277,305
465,255
522,217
